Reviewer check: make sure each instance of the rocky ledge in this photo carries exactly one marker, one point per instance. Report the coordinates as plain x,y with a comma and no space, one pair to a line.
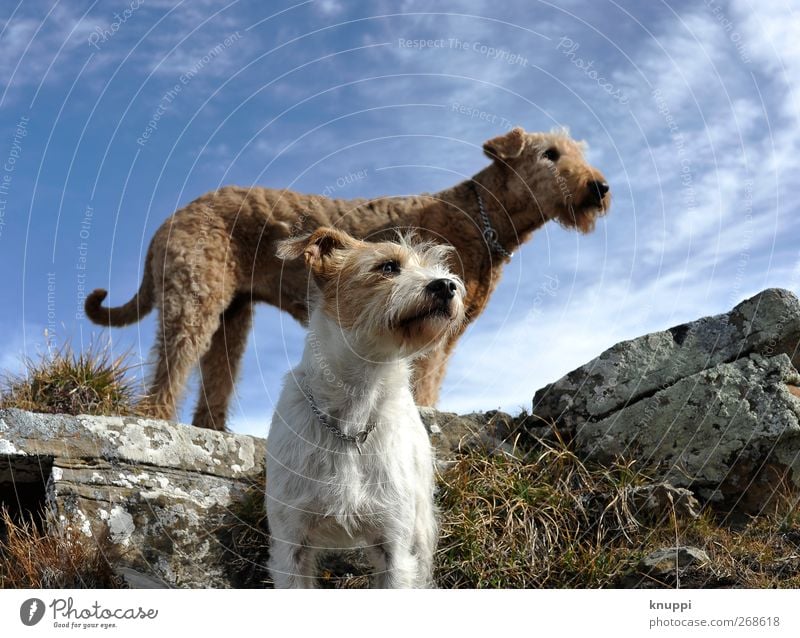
160,494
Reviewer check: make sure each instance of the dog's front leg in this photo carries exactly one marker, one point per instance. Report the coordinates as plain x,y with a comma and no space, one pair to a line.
402,567
377,558
425,538
292,565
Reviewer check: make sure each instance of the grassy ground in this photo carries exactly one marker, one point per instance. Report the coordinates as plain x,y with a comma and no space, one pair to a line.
544,519
547,520
538,518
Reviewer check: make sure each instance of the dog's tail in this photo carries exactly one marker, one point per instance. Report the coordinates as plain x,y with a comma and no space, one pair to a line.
128,313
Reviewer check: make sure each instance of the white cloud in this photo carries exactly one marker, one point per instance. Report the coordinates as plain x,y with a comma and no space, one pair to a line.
769,35
214,51
502,366
31,45
328,7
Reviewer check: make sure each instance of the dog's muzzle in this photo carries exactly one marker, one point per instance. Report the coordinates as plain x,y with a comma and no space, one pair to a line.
598,190
442,289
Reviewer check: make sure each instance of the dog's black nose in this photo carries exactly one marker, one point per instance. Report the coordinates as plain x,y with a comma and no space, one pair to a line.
598,188
444,289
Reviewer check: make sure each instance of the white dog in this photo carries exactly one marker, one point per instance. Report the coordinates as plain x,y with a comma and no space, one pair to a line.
349,462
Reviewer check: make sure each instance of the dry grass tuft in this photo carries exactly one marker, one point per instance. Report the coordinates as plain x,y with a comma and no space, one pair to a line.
763,553
540,520
66,382
545,519
57,558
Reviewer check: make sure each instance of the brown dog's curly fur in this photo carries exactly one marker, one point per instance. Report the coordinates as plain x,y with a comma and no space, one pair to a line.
210,261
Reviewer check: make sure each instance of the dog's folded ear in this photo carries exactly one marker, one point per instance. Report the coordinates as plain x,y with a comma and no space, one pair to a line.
316,248
506,146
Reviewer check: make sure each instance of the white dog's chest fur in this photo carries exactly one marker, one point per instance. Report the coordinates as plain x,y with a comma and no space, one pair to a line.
332,480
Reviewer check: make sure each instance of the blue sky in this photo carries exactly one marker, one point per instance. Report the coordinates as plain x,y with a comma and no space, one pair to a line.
689,108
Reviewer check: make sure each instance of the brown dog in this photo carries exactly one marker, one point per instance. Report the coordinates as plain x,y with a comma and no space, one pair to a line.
210,261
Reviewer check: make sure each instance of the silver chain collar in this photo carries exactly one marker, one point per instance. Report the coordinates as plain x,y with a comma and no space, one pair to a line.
489,233
355,439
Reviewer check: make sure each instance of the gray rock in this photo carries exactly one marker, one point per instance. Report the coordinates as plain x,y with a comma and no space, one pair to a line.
711,405
730,433
160,493
675,568
668,560
767,324
659,500
450,433
137,580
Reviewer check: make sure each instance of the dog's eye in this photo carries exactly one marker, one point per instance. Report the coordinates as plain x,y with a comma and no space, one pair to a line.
389,268
551,154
